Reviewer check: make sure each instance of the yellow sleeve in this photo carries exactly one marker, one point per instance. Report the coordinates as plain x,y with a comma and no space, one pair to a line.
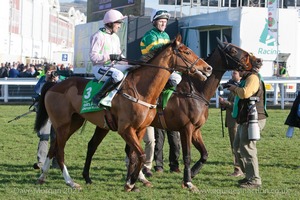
250,88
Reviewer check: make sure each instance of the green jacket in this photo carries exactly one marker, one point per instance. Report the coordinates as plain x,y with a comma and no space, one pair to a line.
153,39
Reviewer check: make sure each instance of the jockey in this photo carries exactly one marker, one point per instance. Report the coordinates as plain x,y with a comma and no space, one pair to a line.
157,37
154,140
103,44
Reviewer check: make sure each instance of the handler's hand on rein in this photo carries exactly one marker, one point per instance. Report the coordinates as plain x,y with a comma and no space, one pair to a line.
231,87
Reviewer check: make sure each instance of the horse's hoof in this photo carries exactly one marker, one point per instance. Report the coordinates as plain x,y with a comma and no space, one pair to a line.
87,178
135,189
131,188
40,182
127,188
75,186
194,189
147,184
88,181
190,186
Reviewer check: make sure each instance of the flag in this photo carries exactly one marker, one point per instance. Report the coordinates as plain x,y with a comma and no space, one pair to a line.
273,18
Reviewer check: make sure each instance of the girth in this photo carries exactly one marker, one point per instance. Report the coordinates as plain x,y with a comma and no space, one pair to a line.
160,112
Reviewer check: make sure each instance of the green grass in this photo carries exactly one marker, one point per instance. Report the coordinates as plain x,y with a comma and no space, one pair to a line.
278,162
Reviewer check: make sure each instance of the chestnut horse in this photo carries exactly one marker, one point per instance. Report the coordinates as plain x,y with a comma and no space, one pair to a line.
192,97
132,108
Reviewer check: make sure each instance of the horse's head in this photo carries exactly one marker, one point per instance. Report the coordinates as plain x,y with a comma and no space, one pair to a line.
237,58
188,62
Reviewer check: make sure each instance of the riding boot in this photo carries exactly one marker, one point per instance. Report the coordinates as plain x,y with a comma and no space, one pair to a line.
169,85
107,86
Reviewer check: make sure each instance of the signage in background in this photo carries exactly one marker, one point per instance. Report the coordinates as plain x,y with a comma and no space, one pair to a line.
64,57
273,18
108,4
97,8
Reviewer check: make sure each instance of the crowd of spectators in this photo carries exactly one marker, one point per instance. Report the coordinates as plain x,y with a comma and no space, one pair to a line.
20,70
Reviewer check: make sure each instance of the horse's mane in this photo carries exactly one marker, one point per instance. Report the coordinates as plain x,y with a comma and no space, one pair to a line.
209,55
146,58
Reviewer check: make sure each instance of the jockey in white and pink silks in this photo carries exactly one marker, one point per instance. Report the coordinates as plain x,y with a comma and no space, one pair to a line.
103,43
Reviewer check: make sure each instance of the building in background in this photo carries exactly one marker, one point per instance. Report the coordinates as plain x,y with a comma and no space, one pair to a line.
243,22
37,31
96,9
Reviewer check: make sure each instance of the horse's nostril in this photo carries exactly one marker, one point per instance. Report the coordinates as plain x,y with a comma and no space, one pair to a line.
209,69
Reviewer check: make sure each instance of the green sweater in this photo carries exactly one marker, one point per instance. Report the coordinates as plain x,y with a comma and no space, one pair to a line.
153,39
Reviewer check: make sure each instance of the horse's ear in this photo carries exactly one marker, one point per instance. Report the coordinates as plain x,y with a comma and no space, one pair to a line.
221,44
178,38
225,39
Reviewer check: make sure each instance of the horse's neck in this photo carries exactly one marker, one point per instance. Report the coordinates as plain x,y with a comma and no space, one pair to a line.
207,88
152,79
211,84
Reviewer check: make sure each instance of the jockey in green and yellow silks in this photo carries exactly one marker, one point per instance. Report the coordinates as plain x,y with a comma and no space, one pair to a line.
153,39
157,37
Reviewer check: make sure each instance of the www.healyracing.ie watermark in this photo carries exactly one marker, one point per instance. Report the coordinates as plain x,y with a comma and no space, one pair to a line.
240,191
44,191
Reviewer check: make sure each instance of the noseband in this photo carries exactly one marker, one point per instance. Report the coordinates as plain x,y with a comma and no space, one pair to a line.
188,65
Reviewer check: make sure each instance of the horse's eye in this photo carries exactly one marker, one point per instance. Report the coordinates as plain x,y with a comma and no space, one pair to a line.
187,52
233,51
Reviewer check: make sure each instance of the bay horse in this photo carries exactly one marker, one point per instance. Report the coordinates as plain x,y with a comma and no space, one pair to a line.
187,109
132,108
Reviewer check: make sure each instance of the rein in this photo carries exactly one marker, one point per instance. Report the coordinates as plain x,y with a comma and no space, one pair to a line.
188,65
193,95
134,62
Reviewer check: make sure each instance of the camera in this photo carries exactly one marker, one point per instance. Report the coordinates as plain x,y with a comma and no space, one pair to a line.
253,128
255,99
232,82
53,74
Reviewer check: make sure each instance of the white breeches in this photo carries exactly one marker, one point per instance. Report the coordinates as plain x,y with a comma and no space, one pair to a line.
175,79
116,72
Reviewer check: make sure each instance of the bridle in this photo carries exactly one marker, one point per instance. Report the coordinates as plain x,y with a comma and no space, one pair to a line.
227,56
188,64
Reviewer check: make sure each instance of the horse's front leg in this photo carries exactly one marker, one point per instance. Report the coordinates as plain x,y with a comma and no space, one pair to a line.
61,139
136,157
97,138
186,141
186,154
132,166
199,144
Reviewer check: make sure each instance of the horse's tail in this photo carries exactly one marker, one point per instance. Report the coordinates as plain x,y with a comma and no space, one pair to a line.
42,115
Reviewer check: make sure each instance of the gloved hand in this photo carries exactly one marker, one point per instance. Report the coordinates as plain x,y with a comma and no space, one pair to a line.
35,98
116,57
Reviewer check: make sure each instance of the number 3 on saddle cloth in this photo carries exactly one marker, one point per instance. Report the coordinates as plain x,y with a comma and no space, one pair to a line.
90,91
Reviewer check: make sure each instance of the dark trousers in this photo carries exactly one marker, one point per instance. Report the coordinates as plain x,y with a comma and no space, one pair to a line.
174,143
